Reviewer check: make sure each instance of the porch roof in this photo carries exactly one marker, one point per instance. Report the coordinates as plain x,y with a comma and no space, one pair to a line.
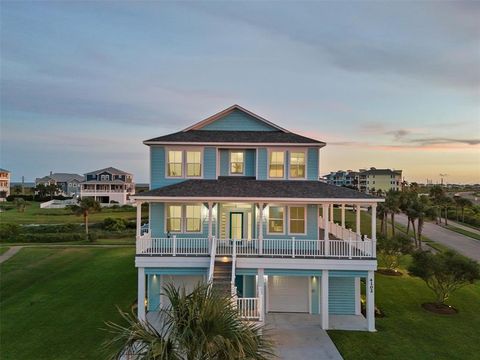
243,188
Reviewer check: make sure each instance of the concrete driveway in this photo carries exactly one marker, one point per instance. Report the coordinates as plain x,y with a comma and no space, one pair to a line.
300,336
463,244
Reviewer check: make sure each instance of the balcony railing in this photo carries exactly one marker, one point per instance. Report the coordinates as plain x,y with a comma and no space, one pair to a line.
287,248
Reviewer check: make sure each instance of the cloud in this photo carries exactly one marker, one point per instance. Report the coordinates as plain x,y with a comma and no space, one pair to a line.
398,134
440,141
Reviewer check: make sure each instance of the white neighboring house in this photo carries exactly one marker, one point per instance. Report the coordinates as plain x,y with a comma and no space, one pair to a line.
108,186
4,183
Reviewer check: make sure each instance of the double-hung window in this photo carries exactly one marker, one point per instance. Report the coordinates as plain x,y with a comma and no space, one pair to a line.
193,218
297,220
174,218
276,220
277,164
297,164
175,163
194,163
237,162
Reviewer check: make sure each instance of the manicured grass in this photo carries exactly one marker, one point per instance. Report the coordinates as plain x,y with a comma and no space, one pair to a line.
463,232
408,331
3,249
54,301
34,215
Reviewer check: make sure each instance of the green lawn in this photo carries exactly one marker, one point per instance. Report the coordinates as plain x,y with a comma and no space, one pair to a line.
34,215
463,232
409,332
3,249
54,300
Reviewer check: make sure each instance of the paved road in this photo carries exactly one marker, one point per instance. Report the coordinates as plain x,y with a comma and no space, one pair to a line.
463,244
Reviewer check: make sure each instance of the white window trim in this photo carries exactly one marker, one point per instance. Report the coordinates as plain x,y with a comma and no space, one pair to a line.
183,219
267,210
285,158
184,162
306,217
230,163
305,151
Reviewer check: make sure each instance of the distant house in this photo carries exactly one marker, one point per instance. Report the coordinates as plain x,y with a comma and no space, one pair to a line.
342,178
374,180
108,186
69,184
4,183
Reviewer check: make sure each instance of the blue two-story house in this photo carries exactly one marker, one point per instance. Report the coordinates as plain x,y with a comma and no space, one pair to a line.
236,199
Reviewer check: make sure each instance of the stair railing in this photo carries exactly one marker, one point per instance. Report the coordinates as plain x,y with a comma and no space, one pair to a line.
213,253
234,260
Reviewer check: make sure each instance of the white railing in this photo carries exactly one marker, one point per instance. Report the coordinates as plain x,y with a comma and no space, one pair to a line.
213,250
352,248
249,308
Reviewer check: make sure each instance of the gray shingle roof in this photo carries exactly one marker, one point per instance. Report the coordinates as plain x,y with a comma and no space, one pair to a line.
61,177
4,170
241,187
110,170
224,136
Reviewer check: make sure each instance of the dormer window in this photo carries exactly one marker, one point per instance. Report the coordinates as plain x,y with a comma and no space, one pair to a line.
175,163
277,164
237,164
194,163
297,165
104,177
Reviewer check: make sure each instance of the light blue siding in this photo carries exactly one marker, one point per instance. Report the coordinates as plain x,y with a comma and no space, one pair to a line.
176,271
347,273
210,163
262,163
341,295
239,121
250,163
154,290
312,164
224,162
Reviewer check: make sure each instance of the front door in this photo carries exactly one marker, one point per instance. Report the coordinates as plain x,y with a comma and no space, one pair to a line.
236,225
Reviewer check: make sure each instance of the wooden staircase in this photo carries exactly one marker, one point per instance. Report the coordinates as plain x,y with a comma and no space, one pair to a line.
222,276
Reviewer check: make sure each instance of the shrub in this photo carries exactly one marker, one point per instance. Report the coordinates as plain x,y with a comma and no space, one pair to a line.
93,236
114,224
47,238
444,272
391,249
9,231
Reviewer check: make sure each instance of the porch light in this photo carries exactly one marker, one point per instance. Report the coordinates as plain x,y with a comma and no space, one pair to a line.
224,259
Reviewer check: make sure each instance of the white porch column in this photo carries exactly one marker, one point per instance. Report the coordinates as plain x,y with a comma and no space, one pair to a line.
370,291
343,215
326,229
358,303
357,223
139,218
260,228
331,212
141,294
261,292
324,301
210,216
374,230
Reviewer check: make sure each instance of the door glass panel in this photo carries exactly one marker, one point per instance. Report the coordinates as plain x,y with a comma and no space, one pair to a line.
236,225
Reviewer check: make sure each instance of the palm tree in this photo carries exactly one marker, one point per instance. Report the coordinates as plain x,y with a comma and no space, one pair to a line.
407,197
437,194
382,214
202,325
444,204
85,207
392,205
422,209
463,203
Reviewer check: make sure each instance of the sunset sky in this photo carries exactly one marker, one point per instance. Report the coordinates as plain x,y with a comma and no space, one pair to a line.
384,84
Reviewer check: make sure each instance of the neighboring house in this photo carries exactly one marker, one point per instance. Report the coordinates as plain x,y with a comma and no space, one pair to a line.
379,180
342,178
69,184
236,200
108,186
4,183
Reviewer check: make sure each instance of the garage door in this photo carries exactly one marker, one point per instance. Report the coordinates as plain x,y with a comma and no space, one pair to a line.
288,294
187,281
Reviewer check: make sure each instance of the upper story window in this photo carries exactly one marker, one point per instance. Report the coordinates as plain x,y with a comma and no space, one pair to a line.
193,218
297,164
237,164
276,220
277,164
104,177
194,163
174,218
175,163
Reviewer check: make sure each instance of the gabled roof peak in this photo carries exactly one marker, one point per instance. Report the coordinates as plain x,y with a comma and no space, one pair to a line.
227,111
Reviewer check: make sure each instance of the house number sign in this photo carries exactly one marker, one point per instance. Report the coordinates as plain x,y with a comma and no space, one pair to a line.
371,286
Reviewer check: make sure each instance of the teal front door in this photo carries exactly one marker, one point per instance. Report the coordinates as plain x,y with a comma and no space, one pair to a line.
236,225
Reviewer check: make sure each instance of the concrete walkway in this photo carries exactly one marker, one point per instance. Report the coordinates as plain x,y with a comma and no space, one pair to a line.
9,253
463,244
300,336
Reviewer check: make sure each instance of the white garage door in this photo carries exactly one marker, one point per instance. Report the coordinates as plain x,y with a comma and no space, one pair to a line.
288,294
187,281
